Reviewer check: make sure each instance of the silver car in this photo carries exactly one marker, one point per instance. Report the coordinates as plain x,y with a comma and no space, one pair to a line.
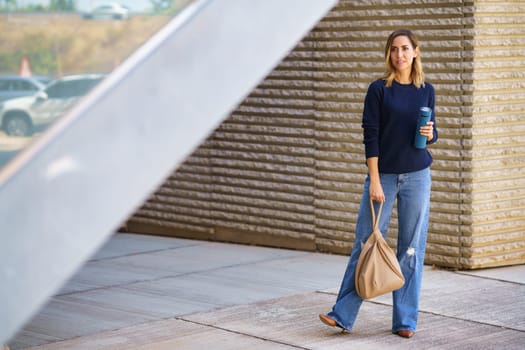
13,86
107,11
26,115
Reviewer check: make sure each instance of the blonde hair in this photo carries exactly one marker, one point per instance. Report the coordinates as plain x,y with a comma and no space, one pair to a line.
417,75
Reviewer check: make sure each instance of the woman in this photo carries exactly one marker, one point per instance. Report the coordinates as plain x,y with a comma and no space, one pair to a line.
396,170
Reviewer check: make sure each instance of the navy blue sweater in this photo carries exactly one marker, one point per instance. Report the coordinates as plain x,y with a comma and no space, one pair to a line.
389,123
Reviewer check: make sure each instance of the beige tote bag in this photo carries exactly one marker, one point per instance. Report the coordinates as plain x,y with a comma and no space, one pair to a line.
378,271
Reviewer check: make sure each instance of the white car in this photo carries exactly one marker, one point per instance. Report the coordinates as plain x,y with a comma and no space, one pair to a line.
14,86
107,11
25,115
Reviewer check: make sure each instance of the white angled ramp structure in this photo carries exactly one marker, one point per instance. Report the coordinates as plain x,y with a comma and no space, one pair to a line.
65,194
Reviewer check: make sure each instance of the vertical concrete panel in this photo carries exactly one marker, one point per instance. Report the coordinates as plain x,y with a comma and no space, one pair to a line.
498,135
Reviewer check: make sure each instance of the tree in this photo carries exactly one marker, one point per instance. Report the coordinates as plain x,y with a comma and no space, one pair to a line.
61,5
161,5
168,7
8,4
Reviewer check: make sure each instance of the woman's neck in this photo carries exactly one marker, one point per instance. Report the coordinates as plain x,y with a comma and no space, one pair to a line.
403,77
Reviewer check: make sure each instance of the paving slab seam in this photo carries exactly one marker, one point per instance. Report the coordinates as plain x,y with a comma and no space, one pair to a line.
184,274
109,258
488,278
114,286
241,333
466,320
325,292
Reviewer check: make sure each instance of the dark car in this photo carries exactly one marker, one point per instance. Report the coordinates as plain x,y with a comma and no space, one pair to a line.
25,115
14,86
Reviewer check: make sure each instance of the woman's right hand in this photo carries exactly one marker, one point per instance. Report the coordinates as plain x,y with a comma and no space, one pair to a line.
376,191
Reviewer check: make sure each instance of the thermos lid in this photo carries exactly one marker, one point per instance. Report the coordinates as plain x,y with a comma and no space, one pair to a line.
426,111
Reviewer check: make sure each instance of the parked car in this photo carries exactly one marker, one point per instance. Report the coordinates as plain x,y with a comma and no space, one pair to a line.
25,115
44,79
14,86
107,11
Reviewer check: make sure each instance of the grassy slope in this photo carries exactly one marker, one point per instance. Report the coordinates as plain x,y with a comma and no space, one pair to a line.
60,44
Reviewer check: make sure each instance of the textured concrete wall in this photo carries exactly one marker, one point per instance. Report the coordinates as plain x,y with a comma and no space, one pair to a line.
287,167
495,185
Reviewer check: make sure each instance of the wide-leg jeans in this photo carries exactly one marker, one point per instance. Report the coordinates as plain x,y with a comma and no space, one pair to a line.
412,191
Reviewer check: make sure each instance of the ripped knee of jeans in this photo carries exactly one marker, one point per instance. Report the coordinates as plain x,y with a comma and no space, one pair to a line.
411,251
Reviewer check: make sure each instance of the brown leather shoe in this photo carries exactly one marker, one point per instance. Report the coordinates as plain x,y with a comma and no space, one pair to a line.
405,333
327,320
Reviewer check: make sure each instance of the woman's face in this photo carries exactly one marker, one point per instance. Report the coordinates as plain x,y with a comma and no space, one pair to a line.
402,53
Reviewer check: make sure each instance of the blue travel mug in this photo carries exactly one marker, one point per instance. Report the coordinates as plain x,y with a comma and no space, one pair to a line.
420,141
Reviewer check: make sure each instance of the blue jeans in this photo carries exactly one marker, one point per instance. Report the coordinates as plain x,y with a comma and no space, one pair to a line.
412,191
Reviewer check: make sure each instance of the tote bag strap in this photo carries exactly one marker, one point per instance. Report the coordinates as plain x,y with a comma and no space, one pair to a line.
375,221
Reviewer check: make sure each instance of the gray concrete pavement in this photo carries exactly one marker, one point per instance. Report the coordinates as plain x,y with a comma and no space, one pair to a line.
150,292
